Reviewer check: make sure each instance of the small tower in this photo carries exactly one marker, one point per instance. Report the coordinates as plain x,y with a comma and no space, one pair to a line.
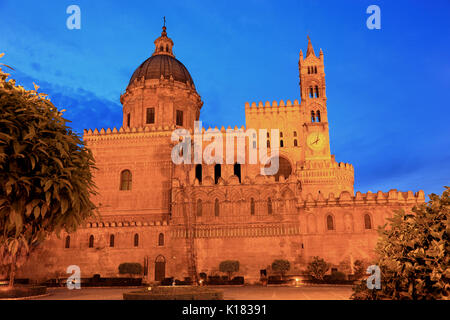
314,105
312,77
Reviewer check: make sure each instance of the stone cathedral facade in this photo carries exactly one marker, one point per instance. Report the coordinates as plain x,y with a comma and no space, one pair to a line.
180,220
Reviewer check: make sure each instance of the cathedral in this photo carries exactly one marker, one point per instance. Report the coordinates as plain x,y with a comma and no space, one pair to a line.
179,220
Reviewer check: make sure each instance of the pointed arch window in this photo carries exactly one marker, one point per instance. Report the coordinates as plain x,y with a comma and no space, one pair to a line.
319,119
313,116
161,239
91,241
330,222
125,180
316,91
111,241
237,171
311,92
136,240
269,206
367,222
217,173
252,206
295,143
67,242
315,69
199,173
199,208
216,208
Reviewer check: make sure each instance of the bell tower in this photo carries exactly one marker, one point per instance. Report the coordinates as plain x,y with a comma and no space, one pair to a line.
314,104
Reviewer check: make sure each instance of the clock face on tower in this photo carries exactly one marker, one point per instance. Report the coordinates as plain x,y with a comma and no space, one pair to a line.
316,141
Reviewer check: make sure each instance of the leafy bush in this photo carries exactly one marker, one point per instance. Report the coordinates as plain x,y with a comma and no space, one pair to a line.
337,276
281,266
413,254
131,268
229,267
317,268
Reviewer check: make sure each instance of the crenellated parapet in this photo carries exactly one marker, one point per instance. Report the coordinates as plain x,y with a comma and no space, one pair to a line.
393,197
271,106
115,133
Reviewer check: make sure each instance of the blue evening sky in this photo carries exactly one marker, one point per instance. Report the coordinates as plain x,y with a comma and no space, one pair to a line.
388,90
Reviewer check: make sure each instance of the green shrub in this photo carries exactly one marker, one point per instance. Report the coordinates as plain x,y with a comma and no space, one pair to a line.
229,267
281,266
317,268
131,268
337,276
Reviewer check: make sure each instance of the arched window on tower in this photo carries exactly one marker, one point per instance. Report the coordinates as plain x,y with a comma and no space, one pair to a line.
125,180
269,206
167,48
216,208
309,70
237,171
161,239
319,119
315,69
252,206
199,173
313,116
91,241
217,173
199,208
367,222
330,222
136,240
67,244
316,91
295,143
161,48
311,92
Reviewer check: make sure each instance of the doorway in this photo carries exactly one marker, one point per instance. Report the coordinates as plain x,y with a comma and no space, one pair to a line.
160,268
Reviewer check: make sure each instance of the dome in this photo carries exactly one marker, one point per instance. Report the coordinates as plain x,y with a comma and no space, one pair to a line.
162,65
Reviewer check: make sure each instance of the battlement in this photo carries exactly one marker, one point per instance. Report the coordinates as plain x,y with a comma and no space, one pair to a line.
312,165
275,104
380,198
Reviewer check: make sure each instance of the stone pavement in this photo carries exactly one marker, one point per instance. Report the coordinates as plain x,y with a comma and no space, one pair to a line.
230,293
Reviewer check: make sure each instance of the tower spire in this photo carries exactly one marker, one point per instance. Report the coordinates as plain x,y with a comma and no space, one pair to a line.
310,48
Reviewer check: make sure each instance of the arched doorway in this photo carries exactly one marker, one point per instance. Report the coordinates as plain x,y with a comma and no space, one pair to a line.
160,268
284,168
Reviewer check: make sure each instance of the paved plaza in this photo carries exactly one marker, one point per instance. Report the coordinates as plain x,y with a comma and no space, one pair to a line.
230,293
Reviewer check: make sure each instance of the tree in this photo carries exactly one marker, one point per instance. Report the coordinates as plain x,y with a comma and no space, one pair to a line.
131,268
229,267
45,174
413,254
317,268
360,267
281,266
